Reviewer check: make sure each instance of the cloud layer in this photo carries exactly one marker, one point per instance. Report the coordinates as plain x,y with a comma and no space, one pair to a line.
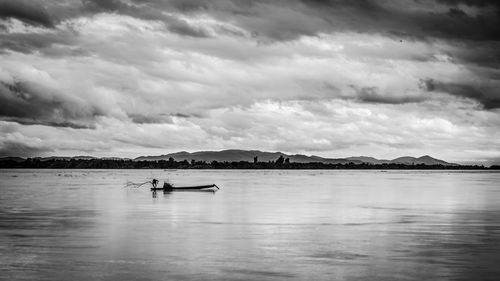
336,78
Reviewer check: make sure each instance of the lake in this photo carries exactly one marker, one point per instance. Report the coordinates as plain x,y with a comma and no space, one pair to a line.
261,225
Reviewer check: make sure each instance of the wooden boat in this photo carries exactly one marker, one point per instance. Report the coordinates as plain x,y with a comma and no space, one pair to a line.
168,187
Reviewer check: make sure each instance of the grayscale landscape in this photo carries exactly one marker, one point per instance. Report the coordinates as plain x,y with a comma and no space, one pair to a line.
249,140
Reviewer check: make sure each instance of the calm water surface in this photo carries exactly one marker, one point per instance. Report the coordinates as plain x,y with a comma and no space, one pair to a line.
261,225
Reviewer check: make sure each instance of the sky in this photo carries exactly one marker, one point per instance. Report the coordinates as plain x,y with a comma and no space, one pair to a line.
334,78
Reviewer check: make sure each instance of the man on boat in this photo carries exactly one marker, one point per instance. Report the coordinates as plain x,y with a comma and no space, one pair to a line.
154,182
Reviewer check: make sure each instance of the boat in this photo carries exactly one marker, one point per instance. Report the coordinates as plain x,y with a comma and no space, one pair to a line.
168,187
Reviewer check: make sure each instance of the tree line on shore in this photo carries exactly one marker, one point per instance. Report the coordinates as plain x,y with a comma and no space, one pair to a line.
280,163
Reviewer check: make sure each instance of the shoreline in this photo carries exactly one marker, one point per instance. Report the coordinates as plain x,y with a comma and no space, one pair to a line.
101,164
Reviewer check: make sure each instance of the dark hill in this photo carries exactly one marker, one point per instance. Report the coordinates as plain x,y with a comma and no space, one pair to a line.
426,160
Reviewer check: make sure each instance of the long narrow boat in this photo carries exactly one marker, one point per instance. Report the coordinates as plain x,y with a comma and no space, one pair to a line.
167,186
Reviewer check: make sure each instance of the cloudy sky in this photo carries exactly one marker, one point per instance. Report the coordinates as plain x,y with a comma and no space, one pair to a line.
333,78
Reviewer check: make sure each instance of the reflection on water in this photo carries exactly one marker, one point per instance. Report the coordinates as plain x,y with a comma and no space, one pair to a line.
262,225
166,192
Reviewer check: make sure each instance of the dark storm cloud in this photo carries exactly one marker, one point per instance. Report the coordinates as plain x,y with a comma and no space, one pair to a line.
182,115
475,3
26,103
455,12
13,148
410,21
28,43
486,94
486,54
148,119
105,5
31,12
374,95
148,10
138,118
286,20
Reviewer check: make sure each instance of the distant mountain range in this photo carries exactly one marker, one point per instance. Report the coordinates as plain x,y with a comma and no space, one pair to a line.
240,155
236,155
262,156
20,159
